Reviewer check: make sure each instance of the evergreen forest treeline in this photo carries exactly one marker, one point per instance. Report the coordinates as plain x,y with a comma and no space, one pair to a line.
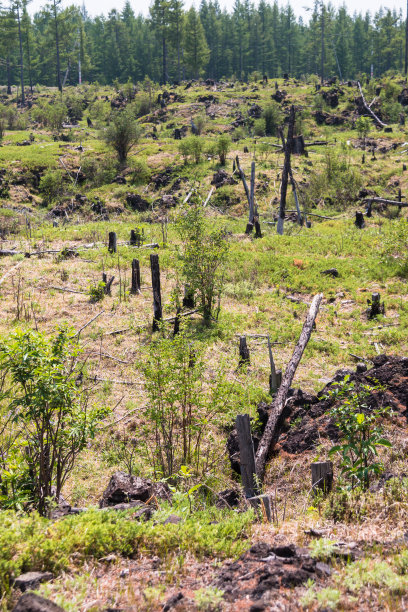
173,43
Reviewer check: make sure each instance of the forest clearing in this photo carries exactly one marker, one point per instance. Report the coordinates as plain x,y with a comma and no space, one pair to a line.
174,257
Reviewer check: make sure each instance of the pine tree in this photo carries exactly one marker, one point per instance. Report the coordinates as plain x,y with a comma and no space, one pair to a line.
196,48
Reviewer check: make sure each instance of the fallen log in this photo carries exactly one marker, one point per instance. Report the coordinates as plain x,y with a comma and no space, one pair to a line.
13,269
271,432
385,201
368,109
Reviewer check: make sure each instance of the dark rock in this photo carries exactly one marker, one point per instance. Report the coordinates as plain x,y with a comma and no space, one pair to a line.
331,272
261,550
255,111
361,367
222,178
279,96
166,201
173,601
136,202
229,497
120,180
173,519
123,488
331,97
163,178
30,602
31,580
285,551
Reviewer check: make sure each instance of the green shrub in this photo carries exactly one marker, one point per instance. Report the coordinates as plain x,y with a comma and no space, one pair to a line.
100,171
39,387
191,148
51,186
96,292
260,127
273,118
363,125
223,146
122,134
362,434
75,107
141,172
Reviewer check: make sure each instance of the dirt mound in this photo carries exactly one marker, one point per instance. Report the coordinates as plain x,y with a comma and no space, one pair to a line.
306,420
264,569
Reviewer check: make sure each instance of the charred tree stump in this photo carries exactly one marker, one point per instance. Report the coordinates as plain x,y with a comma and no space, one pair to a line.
244,359
298,145
287,147
108,283
112,247
188,299
135,287
246,456
322,476
376,306
177,319
136,238
157,305
258,232
359,222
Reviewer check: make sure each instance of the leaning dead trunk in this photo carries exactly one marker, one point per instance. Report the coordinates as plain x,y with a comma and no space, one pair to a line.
271,430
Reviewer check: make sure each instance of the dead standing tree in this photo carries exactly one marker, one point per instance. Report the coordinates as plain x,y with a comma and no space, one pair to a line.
287,171
271,432
253,219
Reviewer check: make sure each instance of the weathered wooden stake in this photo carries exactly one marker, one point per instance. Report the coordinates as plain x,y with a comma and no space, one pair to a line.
322,476
157,305
287,146
112,248
244,359
250,224
264,501
275,377
135,288
246,455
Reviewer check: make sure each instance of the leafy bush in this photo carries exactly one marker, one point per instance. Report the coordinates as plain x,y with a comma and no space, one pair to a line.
260,127
141,172
96,292
362,435
51,186
100,171
363,125
223,146
202,257
191,147
122,134
38,385
75,107
273,118
184,410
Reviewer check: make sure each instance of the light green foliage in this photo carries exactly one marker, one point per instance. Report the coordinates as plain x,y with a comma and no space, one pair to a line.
272,115
370,573
141,172
223,146
96,292
401,562
209,599
362,435
122,134
191,148
394,246
38,376
184,409
326,599
51,186
202,257
51,115
322,549
363,125
260,127
29,542
338,182
200,122
75,104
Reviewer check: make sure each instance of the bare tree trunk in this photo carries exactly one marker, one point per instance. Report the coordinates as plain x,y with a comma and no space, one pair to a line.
286,169
271,430
57,46
21,57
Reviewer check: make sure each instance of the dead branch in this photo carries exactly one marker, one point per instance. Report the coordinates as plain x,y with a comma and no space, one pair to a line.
271,432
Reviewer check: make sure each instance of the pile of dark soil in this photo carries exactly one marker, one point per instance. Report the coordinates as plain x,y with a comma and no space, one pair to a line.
306,420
